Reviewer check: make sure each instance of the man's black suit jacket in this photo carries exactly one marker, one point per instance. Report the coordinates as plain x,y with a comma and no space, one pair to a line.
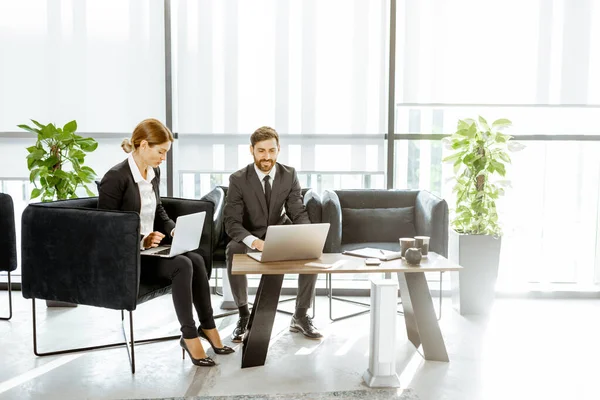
118,191
246,209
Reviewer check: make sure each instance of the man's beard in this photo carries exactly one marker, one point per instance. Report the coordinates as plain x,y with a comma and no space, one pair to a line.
264,165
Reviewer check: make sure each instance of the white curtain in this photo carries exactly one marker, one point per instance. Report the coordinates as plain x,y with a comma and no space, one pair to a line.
507,59
302,67
99,62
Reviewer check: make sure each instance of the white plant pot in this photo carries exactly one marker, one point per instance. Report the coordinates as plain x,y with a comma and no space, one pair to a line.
473,288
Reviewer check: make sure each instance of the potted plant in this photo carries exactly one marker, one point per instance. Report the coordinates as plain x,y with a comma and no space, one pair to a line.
56,167
54,150
480,155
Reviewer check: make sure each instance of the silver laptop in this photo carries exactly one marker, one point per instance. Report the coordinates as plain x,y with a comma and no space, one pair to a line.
293,242
188,230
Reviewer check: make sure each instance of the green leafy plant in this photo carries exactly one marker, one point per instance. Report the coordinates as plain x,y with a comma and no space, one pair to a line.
55,149
480,156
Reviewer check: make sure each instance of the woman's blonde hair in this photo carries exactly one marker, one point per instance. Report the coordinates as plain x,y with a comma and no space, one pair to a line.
151,130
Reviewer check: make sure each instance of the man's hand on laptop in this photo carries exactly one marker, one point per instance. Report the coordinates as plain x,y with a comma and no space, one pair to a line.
153,239
258,244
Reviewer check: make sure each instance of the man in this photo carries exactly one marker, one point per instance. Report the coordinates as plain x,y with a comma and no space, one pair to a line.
261,194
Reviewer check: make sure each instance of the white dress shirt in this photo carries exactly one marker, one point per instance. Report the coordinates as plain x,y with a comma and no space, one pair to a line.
248,240
147,197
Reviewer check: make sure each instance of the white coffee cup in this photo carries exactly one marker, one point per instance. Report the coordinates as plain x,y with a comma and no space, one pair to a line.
405,244
422,243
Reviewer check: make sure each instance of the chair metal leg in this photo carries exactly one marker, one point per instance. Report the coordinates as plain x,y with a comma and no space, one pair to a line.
291,312
131,353
10,312
286,311
283,301
331,298
359,303
103,346
216,288
228,313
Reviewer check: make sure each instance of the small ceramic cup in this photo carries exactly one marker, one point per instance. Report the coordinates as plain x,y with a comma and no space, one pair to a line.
406,243
422,243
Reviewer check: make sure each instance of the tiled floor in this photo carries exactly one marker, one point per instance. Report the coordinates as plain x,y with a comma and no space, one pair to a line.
526,349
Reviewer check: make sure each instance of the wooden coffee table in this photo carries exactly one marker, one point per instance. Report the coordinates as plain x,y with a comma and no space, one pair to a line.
419,315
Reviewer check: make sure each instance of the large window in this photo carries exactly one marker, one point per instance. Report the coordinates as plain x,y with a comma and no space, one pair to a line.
322,85
537,64
317,71
95,61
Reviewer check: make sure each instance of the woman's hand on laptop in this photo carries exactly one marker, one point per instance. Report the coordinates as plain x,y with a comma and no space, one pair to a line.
153,239
258,244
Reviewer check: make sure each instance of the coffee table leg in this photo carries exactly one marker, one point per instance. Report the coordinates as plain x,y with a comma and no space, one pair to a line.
421,323
260,325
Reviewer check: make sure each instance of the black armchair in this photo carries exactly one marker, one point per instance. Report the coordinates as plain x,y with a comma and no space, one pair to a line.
378,218
8,243
75,253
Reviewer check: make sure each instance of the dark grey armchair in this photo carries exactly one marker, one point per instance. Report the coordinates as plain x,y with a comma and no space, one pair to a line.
8,243
75,253
378,218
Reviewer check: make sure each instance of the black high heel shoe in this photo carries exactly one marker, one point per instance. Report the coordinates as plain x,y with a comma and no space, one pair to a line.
218,350
201,362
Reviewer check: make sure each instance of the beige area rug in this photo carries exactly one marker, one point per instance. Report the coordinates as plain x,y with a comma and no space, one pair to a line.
371,394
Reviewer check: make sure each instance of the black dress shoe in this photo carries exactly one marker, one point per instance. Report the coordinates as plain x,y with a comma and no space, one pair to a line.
240,329
304,325
217,350
201,362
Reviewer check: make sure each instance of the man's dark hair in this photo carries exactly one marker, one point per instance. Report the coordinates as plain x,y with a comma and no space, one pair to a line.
264,133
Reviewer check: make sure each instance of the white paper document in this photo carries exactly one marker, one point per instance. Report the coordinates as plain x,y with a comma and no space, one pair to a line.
370,252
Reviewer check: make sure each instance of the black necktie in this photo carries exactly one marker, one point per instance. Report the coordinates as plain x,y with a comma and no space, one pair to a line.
267,190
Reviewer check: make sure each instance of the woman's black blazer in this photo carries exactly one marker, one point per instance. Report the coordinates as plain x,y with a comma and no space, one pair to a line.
118,191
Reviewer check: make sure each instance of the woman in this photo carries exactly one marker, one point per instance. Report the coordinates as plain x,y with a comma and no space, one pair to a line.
133,185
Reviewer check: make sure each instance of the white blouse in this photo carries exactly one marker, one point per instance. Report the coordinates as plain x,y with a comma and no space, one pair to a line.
147,197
